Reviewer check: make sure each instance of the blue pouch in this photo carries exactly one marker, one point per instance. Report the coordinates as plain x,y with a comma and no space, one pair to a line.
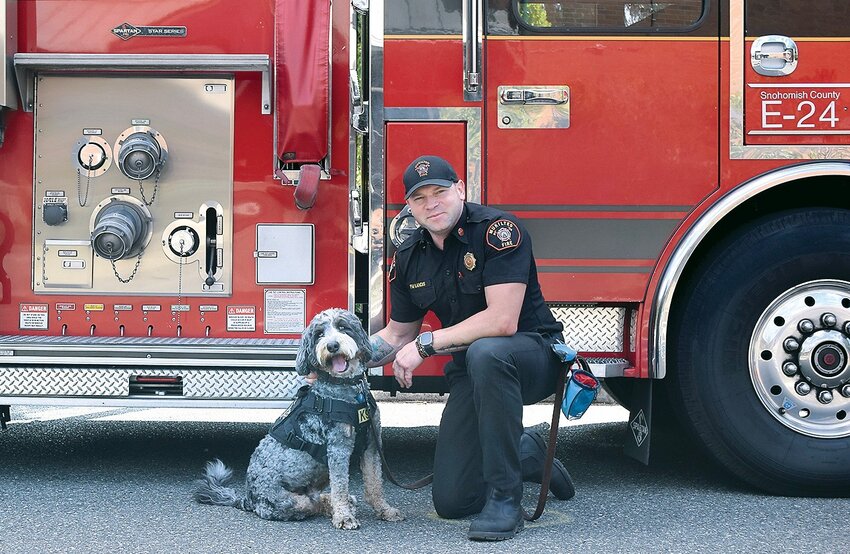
582,386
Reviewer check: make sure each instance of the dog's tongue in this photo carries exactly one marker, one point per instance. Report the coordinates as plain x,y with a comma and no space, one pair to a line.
339,364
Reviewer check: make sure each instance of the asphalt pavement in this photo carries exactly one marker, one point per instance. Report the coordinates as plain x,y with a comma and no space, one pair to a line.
107,480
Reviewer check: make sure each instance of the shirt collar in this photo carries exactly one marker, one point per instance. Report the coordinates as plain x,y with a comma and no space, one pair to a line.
459,231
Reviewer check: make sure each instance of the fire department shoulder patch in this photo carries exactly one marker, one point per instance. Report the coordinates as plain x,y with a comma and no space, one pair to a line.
391,272
503,234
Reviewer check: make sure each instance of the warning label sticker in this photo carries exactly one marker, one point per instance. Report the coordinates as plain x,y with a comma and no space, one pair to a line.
33,316
286,311
241,318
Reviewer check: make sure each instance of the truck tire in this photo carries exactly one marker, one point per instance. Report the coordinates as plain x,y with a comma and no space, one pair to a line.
760,352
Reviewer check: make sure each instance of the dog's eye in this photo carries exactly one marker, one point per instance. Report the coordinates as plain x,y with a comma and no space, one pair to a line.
319,334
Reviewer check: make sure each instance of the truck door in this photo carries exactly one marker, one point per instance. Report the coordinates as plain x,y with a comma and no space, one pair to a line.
795,97
601,132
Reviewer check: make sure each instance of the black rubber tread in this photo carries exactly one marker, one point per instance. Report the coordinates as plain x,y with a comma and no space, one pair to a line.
709,333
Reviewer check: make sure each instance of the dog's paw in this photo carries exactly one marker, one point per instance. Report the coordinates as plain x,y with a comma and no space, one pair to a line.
346,522
391,514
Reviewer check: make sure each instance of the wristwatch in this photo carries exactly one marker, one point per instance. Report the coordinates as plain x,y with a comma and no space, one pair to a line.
425,344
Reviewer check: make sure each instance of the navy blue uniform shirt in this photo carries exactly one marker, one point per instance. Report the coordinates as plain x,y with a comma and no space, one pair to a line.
486,247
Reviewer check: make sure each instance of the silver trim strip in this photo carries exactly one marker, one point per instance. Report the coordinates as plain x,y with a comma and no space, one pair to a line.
676,264
8,48
27,65
737,148
375,168
473,31
141,402
142,351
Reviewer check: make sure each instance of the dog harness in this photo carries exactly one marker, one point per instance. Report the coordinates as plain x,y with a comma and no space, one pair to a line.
286,429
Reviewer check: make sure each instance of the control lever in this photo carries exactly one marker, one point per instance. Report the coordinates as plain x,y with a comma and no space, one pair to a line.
212,261
212,246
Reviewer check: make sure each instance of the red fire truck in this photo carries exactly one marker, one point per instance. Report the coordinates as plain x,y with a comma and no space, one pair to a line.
185,182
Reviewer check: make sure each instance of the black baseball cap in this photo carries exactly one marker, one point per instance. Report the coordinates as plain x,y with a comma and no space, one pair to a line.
428,170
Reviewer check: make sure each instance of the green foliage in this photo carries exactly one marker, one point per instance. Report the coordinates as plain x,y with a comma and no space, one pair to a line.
534,14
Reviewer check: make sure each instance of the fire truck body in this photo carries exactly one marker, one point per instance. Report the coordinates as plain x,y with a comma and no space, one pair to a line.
184,186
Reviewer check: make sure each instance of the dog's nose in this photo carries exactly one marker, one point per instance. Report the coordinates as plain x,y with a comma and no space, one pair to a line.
333,346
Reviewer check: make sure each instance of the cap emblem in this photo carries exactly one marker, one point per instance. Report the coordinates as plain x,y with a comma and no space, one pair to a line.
422,168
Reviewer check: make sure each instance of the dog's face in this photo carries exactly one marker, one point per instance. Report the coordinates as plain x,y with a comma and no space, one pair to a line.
334,342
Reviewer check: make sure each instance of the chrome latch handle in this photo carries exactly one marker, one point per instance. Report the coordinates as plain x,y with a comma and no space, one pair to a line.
534,96
774,55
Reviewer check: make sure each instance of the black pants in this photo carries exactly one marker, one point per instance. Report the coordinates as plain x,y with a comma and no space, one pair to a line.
478,442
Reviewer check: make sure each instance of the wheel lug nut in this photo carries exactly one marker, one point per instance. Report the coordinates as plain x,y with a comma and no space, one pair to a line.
828,320
803,388
806,326
847,328
825,397
791,344
789,369
845,391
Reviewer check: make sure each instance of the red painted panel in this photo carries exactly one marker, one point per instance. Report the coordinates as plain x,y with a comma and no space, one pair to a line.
411,81
406,141
811,103
639,133
211,26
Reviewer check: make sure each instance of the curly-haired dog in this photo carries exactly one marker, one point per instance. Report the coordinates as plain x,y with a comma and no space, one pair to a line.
313,443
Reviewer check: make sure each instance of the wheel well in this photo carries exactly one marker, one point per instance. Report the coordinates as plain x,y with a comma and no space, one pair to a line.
811,192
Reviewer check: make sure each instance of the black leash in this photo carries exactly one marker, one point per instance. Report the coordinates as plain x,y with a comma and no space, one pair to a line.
547,464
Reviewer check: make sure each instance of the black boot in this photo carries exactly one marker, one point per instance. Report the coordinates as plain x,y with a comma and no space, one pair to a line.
532,455
501,517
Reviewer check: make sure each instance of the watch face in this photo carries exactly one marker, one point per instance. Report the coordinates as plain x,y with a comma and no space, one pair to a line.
427,338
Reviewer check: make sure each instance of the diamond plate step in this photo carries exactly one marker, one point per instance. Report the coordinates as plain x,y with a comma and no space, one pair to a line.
20,350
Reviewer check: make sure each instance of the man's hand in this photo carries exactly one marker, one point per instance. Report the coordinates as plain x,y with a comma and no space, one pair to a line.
406,361
311,378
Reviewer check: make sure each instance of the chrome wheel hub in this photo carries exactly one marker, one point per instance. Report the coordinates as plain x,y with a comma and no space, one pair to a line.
799,358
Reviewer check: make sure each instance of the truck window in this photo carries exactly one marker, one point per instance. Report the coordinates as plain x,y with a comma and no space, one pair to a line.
608,15
422,17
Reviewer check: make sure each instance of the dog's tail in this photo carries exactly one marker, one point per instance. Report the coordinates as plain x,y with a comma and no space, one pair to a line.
214,488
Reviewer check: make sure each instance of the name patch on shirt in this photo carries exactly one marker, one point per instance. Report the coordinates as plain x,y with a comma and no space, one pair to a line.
418,285
503,234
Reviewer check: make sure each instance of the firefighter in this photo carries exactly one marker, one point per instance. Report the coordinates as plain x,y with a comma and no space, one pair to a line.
473,266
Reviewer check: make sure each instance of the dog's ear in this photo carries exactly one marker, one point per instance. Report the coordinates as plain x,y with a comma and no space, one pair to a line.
364,345
306,361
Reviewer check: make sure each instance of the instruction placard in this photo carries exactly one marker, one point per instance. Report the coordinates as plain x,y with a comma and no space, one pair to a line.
33,316
286,310
241,318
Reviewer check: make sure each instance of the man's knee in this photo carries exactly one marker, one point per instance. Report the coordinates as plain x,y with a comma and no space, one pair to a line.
484,355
